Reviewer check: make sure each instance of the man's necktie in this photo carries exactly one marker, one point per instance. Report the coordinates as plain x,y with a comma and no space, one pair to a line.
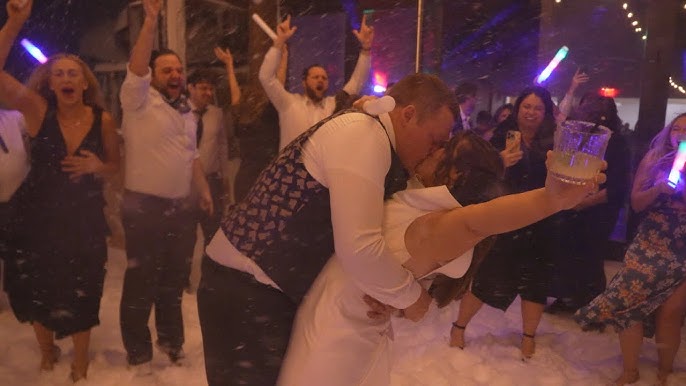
201,126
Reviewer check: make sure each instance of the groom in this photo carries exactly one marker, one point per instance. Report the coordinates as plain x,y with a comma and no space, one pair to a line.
324,192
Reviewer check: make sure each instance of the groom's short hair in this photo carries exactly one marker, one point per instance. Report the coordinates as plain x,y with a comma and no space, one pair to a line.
426,92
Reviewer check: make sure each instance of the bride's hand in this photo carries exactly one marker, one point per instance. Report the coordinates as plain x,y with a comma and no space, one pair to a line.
566,195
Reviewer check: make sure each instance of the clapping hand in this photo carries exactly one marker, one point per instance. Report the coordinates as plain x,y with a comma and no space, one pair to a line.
365,35
85,162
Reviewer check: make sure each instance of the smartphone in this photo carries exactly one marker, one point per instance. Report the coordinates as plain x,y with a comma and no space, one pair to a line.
513,140
583,70
678,166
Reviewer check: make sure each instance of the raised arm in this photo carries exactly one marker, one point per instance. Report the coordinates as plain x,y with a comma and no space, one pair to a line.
364,61
439,237
275,90
13,94
641,197
224,55
142,50
283,65
15,20
566,103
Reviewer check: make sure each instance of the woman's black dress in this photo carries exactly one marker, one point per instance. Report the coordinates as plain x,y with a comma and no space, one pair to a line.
59,272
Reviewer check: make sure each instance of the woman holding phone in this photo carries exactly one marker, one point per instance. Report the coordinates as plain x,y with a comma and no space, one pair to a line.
648,295
520,261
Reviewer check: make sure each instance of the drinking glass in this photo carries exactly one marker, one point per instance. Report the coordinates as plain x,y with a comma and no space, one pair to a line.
578,151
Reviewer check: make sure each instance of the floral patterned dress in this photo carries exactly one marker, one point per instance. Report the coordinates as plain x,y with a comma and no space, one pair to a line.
654,266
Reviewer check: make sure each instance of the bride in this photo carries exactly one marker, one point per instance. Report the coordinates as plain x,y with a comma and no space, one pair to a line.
336,339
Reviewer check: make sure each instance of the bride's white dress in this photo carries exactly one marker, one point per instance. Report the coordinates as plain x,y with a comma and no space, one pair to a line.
333,342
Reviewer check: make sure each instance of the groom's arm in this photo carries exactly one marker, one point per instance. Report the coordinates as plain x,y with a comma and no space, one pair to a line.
355,183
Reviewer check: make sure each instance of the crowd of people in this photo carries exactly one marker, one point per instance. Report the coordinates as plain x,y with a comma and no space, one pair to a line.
351,220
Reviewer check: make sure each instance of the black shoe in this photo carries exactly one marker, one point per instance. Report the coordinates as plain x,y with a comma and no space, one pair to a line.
594,326
176,355
561,306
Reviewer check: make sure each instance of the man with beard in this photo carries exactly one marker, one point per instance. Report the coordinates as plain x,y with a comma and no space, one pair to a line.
161,163
298,112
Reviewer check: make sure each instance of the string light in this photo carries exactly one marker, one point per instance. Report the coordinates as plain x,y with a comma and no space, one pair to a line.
644,37
677,86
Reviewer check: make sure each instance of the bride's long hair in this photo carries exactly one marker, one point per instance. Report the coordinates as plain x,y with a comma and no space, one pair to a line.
479,174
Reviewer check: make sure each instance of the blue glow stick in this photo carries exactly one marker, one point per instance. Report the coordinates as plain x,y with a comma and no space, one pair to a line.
678,166
33,50
559,56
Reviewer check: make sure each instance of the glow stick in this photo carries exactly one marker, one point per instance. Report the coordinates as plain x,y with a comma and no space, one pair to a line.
679,161
559,56
270,32
33,50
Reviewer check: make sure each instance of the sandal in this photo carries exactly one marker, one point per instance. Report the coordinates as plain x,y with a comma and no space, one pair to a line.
462,328
528,353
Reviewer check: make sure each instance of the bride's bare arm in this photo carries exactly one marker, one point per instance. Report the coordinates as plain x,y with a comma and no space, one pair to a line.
439,237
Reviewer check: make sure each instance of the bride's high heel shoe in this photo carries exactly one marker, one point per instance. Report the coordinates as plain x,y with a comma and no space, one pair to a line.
457,336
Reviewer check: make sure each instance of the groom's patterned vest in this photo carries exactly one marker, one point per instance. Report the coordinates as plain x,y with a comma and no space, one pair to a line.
284,223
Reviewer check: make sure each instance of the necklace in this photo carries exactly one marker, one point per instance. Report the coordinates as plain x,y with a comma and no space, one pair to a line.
73,123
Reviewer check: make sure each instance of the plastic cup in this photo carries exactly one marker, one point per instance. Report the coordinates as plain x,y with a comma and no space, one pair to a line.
578,151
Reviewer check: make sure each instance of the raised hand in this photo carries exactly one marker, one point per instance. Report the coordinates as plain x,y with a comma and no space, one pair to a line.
578,79
224,55
284,31
85,162
19,10
152,8
365,35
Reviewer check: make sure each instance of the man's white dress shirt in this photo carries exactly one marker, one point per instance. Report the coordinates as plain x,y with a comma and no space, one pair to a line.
159,142
297,112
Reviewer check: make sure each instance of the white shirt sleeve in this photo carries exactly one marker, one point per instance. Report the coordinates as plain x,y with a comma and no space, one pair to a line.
565,107
134,90
276,93
360,74
356,187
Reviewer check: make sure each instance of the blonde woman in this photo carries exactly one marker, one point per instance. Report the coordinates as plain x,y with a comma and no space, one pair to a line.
648,295
73,145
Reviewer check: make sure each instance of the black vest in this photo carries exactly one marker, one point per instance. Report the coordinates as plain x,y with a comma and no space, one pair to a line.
284,223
